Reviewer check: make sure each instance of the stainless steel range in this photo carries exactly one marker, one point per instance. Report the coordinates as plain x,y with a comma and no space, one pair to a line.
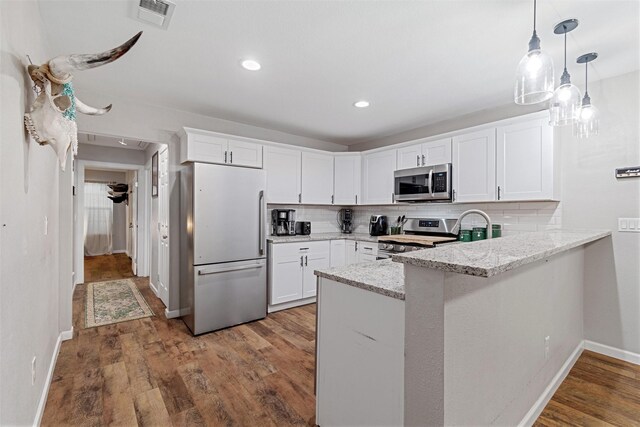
420,233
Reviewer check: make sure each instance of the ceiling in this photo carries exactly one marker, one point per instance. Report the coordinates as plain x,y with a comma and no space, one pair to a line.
416,62
107,141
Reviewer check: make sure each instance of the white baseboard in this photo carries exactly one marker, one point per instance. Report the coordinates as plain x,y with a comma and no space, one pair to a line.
290,304
47,382
66,335
119,251
616,353
172,314
548,392
154,288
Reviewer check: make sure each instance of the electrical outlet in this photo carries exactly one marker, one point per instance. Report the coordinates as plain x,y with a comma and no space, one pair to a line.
33,370
546,347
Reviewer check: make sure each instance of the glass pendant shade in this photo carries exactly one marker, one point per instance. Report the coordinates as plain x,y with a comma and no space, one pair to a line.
565,105
534,78
587,123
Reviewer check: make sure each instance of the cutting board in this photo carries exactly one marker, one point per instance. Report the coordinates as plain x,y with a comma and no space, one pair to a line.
411,238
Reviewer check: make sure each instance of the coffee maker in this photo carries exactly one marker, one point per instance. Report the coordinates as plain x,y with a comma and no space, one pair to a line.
345,220
283,222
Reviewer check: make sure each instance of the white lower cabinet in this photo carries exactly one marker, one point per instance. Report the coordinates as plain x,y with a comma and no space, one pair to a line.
338,253
351,249
291,267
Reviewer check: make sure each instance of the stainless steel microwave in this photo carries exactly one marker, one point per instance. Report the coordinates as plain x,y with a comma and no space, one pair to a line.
423,184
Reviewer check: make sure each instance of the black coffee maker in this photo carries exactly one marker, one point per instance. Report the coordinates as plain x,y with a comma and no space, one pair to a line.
378,225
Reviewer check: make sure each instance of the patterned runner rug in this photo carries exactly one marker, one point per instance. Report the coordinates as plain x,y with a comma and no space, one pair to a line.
113,302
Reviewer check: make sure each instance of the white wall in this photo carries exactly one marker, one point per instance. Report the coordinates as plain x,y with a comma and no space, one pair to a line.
593,198
153,123
119,209
110,154
34,304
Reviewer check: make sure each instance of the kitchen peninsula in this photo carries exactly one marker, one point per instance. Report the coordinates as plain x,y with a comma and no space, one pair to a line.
463,334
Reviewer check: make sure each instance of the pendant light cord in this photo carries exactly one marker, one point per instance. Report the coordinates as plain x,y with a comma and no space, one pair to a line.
565,50
534,16
586,80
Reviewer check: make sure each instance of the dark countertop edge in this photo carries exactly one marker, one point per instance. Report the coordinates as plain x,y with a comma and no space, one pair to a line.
494,271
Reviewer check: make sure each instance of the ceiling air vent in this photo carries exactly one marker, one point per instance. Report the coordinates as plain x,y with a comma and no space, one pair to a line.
156,12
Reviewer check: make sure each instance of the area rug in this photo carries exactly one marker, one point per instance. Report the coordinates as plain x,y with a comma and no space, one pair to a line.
113,302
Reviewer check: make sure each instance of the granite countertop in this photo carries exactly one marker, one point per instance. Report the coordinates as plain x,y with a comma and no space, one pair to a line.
383,277
488,258
323,236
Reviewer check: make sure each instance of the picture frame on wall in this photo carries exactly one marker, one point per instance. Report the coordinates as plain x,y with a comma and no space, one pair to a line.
154,175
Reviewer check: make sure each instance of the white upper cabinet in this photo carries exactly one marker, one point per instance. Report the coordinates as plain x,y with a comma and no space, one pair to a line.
425,154
436,152
410,157
474,166
525,161
243,153
283,167
346,179
208,147
377,182
317,178
201,146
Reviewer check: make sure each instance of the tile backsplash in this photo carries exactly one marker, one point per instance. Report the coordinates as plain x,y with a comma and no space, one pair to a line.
515,217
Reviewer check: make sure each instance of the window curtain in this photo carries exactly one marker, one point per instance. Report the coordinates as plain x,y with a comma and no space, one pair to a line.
98,220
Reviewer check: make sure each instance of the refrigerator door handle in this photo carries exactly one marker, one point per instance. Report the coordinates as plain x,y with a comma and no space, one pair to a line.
228,269
261,225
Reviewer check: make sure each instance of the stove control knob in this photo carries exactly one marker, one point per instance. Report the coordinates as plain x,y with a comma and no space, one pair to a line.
401,248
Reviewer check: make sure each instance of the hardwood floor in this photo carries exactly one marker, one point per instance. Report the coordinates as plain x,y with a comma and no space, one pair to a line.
152,371
599,391
107,267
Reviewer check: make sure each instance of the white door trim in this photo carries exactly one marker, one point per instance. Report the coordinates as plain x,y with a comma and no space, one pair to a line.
143,248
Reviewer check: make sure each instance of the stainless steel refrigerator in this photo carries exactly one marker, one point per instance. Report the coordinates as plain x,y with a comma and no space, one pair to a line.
223,246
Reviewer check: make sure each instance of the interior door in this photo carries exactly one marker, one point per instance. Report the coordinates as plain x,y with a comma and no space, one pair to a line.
163,225
133,224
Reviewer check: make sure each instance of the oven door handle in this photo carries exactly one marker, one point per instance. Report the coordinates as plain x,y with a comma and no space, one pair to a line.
429,182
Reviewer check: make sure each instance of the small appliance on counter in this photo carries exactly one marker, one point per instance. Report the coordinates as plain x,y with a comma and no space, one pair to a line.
303,228
378,225
345,220
283,222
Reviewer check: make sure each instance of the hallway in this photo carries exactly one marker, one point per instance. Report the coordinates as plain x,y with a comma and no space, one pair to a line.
107,267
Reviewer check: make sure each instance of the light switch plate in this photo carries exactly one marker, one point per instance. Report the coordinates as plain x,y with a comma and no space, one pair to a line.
629,225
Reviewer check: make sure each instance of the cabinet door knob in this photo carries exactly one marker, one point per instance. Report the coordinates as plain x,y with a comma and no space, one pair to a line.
231,157
498,192
225,157
301,262
418,160
306,261
423,157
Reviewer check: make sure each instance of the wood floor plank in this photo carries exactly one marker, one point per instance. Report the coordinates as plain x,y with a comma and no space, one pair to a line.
118,408
150,409
557,414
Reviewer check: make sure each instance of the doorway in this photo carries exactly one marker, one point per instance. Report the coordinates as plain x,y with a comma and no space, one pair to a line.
110,205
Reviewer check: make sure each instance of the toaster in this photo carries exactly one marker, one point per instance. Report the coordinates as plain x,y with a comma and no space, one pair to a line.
303,228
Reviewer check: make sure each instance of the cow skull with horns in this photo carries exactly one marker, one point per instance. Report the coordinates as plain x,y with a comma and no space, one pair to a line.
51,119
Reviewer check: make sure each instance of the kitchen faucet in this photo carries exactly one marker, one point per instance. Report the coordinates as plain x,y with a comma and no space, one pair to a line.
456,228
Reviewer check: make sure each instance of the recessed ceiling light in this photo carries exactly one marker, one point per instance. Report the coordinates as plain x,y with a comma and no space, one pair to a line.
361,104
251,65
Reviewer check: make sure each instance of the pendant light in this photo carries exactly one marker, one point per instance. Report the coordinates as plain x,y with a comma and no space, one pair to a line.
534,75
565,104
586,124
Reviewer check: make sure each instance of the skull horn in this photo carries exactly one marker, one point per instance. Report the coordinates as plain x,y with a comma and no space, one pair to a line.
62,66
92,111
